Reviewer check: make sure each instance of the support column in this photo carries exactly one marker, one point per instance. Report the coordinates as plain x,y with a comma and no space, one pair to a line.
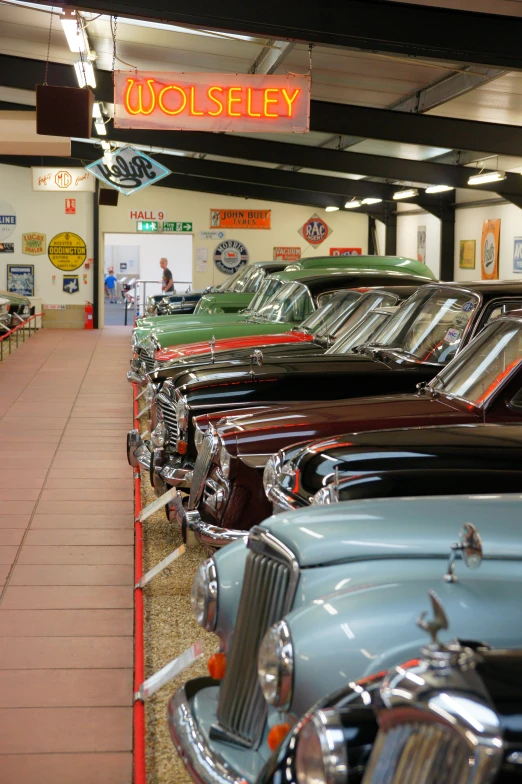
96,256
371,235
447,242
390,221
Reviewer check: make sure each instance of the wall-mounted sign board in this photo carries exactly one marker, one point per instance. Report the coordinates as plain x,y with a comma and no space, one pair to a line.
212,102
54,178
240,219
177,226
128,170
147,226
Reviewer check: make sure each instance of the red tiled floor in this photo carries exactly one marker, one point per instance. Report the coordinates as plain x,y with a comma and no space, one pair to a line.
66,522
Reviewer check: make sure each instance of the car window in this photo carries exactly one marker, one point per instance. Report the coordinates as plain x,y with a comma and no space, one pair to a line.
516,402
268,288
291,303
255,280
430,324
242,282
483,366
346,324
229,284
342,302
496,309
364,331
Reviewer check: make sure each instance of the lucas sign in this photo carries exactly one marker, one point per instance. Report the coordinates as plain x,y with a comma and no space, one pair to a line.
128,170
212,102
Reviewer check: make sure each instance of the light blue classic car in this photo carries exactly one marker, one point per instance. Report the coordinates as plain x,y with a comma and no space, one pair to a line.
319,597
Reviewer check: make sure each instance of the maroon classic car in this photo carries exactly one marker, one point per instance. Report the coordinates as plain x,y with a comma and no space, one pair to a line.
482,383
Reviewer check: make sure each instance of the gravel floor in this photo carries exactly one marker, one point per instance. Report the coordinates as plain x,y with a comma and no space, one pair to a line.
169,630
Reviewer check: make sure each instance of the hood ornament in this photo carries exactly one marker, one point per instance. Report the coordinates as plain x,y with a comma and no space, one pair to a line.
212,343
256,358
470,546
439,621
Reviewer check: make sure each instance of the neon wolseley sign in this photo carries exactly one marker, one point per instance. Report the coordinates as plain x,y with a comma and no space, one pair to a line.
212,102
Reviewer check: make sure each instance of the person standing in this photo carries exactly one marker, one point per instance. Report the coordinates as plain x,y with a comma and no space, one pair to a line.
110,286
167,283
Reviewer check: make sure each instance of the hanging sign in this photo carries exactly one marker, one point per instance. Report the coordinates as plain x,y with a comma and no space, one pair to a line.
20,279
229,256
315,230
33,243
212,102
283,253
7,220
489,249
127,170
240,219
54,179
67,251
345,251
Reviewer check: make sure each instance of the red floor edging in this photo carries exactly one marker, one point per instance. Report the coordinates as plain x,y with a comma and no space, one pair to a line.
140,776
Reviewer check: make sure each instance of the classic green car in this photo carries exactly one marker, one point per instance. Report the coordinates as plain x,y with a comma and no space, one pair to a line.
284,300
411,266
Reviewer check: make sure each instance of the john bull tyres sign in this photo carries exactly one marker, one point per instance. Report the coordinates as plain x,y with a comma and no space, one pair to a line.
128,170
212,102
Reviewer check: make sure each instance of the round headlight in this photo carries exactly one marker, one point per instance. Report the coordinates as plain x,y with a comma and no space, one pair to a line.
204,595
271,472
224,461
182,413
276,666
321,751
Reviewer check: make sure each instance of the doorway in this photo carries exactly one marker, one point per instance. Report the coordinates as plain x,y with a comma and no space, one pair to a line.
129,258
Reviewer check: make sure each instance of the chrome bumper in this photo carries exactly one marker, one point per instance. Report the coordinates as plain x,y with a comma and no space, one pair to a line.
176,477
204,764
211,535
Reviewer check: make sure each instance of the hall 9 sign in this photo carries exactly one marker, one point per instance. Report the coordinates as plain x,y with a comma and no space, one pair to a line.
212,102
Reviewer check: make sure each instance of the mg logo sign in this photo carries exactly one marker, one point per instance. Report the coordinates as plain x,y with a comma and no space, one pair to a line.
62,178
517,255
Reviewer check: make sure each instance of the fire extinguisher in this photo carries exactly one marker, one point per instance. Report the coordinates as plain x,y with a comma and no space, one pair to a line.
89,312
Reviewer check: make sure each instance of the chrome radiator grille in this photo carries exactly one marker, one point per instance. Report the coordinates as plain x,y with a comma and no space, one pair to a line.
147,359
418,753
202,467
168,409
269,584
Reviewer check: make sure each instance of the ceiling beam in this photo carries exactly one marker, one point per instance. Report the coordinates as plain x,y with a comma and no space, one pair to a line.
271,57
332,118
426,32
447,88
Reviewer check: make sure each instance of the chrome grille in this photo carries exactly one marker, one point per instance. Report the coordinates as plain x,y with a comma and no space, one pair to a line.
269,585
202,467
168,409
418,753
147,359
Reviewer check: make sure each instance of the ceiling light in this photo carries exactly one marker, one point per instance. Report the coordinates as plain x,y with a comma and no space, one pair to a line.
439,188
406,194
76,37
331,208
85,73
371,201
97,112
106,146
101,130
492,176
352,205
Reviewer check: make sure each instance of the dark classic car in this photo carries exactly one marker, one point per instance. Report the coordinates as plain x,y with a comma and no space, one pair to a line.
453,714
482,384
19,309
416,461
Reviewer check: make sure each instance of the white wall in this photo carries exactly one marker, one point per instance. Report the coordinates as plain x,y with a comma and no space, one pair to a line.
349,230
468,226
45,213
407,238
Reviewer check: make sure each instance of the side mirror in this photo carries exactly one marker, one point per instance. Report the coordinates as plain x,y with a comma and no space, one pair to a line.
470,547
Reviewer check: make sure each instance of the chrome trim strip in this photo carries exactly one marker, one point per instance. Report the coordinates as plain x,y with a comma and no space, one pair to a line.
202,762
213,535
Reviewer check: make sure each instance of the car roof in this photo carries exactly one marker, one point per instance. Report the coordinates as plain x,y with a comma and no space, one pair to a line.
309,275
269,265
487,288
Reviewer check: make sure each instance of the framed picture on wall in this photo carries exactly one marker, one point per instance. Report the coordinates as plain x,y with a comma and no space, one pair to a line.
20,279
517,254
489,249
467,254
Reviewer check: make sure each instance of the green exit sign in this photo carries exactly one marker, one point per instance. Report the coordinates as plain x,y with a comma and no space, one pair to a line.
147,226
177,226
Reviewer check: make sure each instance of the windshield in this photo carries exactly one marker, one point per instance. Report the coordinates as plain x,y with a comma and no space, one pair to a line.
430,325
265,293
329,314
291,303
349,321
250,282
364,331
483,365
229,284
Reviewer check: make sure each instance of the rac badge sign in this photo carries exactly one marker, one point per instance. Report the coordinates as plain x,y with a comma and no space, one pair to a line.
212,102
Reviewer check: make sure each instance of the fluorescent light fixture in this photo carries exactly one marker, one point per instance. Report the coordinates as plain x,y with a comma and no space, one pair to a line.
331,208
439,188
101,130
352,205
408,193
492,176
106,146
96,111
85,73
371,201
76,37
